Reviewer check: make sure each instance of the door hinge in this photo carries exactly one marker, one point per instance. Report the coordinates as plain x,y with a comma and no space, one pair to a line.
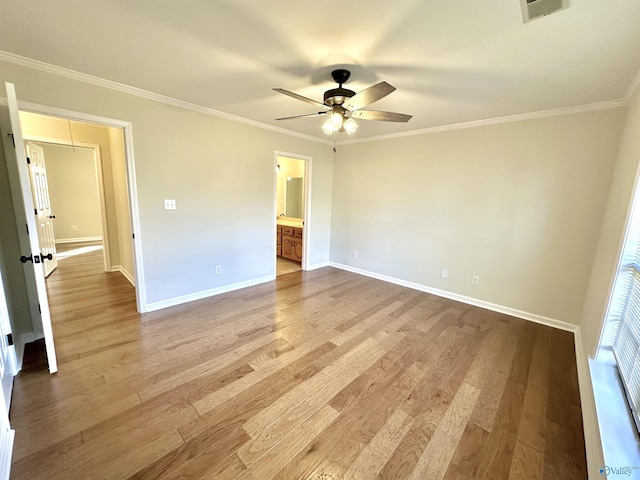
10,339
12,139
27,228
133,235
28,160
35,210
39,309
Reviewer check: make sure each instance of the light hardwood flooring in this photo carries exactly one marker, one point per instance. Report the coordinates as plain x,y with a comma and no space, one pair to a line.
318,375
284,266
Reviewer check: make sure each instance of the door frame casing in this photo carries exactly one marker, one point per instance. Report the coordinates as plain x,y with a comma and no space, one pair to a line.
97,159
306,236
127,127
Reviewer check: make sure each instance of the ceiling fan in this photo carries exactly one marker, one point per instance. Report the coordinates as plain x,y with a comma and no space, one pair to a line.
343,105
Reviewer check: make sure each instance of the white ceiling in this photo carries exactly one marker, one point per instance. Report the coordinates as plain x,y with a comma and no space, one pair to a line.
452,61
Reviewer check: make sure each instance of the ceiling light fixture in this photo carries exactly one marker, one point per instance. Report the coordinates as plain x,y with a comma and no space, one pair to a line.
338,122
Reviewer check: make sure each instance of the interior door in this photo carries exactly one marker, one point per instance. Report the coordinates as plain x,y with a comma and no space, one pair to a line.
24,210
7,372
40,196
7,352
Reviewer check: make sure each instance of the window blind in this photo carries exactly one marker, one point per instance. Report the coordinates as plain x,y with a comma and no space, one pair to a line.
626,346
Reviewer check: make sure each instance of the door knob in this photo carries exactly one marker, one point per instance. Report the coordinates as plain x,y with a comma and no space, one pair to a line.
48,256
52,216
24,259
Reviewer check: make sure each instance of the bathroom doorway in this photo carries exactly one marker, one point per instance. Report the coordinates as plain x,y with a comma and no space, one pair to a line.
292,194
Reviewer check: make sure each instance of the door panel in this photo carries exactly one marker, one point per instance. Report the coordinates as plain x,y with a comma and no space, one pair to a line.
42,204
23,204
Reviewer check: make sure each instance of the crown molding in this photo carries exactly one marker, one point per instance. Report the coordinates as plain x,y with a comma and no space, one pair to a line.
120,87
496,120
138,92
633,88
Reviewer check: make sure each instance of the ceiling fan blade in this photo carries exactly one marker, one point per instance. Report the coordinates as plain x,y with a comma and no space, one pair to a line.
369,95
381,116
300,97
303,116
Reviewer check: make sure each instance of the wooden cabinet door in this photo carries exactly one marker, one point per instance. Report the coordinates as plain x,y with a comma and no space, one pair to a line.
297,250
287,247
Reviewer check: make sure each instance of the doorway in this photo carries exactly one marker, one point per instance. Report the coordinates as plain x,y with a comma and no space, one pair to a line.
292,174
90,178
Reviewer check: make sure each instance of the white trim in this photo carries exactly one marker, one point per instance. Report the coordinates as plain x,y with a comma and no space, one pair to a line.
6,452
496,120
120,87
124,272
533,317
316,266
78,240
141,294
306,220
592,439
171,302
633,87
97,165
593,443
138,92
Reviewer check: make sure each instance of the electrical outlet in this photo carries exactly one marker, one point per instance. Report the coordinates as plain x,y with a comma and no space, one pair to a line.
218,269
74,228
475,280
354,254
445,273
169,204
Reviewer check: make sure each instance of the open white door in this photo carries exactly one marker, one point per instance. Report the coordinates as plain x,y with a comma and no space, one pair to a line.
40,196
24,210
7,372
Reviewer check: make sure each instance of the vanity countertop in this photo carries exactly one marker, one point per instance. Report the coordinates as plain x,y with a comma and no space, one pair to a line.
290,223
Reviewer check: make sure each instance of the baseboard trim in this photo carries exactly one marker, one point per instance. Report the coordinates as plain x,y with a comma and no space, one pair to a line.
593,443
124,272
592,438
78,240
533,317
6,452
316,266
171,302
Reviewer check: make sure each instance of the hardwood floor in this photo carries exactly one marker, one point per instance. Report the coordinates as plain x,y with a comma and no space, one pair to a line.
319,375
284,266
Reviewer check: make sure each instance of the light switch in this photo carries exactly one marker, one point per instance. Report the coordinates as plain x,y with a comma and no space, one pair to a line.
169,204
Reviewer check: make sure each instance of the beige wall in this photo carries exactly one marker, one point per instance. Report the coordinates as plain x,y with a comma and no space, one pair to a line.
517,204
73,192
41,127
612,228
220,173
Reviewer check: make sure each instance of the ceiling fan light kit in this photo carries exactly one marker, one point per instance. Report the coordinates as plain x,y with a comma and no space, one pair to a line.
341,104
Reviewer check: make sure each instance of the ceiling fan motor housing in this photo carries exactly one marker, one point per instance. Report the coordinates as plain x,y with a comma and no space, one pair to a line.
337,96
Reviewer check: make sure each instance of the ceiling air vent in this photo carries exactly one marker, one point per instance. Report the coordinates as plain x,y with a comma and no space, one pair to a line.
532,9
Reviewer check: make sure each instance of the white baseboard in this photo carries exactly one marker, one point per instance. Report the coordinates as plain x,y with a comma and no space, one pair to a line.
533,317
124,272
78,240
315,266
592,438
6,452
150,307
